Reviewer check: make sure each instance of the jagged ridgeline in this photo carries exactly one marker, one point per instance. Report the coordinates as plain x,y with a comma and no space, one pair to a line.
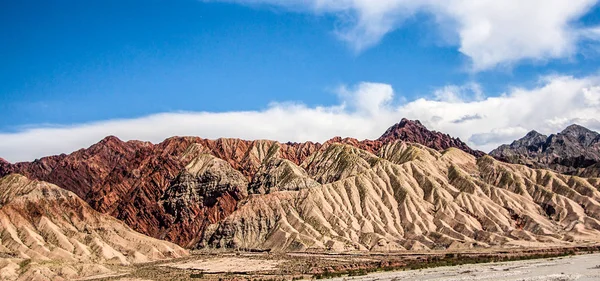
412,197
575,150
410,189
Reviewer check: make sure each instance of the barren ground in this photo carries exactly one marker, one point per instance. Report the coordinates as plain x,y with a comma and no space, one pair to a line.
582,268
574,263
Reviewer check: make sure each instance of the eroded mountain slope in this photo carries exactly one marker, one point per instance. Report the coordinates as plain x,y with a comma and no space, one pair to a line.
150,186
414,197
47,232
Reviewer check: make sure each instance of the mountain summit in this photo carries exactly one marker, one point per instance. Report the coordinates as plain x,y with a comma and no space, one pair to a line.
415,132
574,148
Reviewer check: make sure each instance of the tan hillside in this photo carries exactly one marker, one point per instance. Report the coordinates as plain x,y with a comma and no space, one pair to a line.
47,232
413,197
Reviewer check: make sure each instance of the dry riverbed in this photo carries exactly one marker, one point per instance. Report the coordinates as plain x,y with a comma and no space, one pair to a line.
581,268
575,263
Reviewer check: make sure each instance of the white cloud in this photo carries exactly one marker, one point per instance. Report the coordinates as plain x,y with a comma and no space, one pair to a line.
365,111
367,98
489,32
557,102
454,93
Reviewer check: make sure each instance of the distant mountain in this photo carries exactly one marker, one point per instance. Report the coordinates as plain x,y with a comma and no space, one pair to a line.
569,151
415,132
4,166
410,189
48,233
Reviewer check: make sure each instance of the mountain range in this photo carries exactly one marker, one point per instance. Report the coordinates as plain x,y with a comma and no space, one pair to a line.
571,151
412,188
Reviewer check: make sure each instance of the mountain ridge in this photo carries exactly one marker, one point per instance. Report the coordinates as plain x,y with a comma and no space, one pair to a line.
410,197
130,180
569,151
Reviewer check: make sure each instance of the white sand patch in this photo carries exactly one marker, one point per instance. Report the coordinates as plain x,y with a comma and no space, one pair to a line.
229,265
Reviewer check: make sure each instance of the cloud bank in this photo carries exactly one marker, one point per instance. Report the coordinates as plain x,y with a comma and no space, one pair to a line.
365,110
489,32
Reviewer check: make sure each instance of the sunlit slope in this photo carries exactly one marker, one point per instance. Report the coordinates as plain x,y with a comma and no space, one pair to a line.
413,197
47,232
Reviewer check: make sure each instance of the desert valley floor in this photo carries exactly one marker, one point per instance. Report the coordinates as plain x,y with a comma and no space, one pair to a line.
517,264
410,205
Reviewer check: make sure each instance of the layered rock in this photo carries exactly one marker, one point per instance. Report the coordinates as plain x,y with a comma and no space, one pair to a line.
150,188
415,132
128,180
280,175
411,196
569,151
60,237
204,193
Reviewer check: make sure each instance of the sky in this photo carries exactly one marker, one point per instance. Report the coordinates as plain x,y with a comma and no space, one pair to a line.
73,72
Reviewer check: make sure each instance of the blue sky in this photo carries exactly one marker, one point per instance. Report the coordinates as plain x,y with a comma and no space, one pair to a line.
70,64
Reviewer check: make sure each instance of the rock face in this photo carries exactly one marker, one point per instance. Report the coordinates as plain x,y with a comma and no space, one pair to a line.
568,152
61,237
412,197
5,167
415,132
174,190
204,193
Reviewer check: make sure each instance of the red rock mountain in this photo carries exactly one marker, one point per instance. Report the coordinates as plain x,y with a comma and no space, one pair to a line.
415,132
175,189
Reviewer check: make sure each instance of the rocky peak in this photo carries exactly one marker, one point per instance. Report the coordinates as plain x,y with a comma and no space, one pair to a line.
532,141
579,134
3,163
573,148
109,143
414,131
404,128
577,129
4,167
533,134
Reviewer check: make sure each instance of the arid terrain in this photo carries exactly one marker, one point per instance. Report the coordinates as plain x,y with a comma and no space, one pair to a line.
582,268
576,263
411,199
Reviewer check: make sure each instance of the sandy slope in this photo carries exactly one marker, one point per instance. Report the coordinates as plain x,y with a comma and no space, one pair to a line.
47,232
412,197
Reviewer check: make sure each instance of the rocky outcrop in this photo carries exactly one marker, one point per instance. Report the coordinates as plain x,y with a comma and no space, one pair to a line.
415,132
280,175
205,192
592,171
5,167
569,151
60,237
